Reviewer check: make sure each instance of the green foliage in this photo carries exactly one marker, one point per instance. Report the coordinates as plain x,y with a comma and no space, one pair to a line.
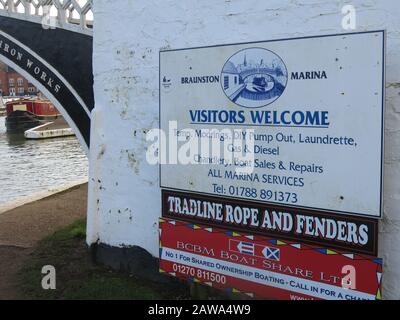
78,278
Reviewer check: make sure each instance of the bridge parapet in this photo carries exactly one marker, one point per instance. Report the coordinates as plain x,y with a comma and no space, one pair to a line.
73,15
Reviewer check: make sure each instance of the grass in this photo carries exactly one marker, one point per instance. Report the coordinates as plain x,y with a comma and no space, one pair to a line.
78,278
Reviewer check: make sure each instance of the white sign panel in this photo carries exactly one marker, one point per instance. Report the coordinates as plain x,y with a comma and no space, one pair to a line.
296,122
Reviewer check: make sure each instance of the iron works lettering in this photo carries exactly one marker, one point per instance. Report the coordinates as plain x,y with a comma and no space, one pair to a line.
27,62
342,232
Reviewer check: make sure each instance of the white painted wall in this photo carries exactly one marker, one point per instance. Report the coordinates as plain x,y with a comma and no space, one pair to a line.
124,201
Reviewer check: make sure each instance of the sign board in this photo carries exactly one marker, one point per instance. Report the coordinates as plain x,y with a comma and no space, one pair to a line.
354,234
264,267
299,121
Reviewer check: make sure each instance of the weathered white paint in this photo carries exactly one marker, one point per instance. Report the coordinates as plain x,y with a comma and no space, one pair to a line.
124,200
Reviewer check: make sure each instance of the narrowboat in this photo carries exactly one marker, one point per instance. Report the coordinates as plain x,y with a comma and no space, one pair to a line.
24,114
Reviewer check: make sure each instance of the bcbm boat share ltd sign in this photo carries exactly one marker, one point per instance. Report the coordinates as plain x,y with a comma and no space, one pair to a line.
265,268
295,122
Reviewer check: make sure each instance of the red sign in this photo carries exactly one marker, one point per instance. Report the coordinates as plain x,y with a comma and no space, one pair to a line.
264,267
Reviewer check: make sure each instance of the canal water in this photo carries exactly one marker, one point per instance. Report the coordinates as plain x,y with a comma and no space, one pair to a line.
29,167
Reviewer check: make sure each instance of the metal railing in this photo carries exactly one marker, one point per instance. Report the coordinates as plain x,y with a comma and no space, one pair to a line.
74,15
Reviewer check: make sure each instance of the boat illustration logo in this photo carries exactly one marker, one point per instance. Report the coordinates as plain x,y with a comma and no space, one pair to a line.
254,77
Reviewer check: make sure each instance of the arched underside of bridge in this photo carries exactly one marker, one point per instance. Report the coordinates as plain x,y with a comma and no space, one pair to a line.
58,62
